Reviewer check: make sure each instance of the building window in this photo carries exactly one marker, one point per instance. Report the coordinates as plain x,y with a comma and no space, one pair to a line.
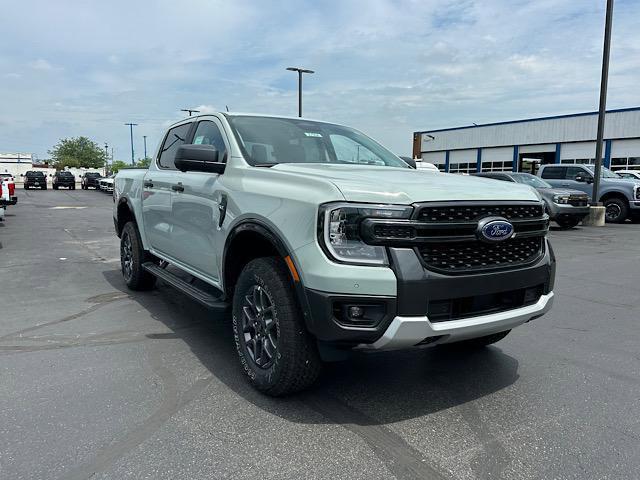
621,163
497,166
577,161
462,167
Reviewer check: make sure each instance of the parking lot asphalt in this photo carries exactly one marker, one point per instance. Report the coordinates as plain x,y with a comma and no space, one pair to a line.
100,382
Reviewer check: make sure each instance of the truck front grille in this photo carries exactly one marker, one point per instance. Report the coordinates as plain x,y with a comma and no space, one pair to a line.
447,239
462,213
578,200
477,256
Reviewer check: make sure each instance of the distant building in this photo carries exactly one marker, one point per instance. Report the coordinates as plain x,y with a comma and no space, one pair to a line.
524,145
15,163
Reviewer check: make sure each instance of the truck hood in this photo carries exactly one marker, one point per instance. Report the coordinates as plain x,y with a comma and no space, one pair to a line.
559,191
373,184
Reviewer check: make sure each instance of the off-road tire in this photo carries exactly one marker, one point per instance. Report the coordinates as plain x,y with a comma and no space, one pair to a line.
44,187
55,187
480,341
295,363
136,277
620,205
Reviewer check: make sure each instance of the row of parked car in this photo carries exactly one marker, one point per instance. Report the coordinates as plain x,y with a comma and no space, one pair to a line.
37,179
566,191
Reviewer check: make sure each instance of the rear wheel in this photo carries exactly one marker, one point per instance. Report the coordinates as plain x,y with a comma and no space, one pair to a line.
567,223
26,187
616,210
276,352
55,187
132,256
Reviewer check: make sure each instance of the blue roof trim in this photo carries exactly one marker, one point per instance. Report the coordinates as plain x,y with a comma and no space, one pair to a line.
536,119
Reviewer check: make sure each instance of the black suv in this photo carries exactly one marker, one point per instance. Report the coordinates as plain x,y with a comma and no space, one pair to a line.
64,179
35,179
91,179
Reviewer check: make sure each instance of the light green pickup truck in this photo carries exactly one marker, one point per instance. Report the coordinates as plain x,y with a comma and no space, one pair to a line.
322,242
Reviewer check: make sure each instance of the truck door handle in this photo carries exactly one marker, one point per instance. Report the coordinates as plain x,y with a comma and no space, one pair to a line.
177,187
148,183
565,185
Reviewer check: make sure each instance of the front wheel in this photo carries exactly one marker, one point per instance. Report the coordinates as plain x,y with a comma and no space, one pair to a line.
132,256
276,352
616,210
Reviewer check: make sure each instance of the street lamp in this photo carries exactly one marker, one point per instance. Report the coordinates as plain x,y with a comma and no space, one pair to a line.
106,157
131,125
603,100
300,72
145,146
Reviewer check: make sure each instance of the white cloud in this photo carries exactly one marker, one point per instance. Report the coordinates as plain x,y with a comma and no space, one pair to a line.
41,64
388,67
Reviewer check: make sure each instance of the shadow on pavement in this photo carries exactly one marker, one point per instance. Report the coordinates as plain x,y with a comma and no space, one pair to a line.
368,389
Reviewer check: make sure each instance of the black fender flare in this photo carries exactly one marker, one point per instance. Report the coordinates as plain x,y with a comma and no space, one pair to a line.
256,226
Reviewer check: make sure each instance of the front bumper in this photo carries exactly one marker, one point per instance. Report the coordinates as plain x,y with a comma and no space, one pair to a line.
12,201
563,211
404,332
405,321
635,204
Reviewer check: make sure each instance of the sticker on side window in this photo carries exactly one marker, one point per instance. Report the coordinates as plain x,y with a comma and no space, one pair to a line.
312,134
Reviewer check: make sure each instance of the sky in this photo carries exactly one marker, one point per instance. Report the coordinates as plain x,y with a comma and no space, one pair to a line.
388,67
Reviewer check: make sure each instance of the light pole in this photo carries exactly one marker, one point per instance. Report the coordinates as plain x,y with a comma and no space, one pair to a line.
190,110
106,157
145,146
300,72
131,125
603,101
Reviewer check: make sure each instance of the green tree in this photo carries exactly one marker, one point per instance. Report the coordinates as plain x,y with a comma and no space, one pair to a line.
118,165
77,152
144,162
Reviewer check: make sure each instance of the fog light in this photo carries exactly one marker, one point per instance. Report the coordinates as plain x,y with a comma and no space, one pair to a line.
356,312
360,314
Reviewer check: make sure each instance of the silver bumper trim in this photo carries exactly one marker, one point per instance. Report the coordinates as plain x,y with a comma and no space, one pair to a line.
404,332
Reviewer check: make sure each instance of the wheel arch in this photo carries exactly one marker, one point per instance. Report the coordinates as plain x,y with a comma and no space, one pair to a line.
124,214
248,240
614,194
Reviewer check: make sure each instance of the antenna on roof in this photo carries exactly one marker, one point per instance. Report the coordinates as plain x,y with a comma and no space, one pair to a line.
227,106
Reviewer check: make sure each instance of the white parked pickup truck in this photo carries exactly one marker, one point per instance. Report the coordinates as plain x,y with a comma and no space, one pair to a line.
322,241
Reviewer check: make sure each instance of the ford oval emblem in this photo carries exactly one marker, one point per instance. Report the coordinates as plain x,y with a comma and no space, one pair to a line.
495,229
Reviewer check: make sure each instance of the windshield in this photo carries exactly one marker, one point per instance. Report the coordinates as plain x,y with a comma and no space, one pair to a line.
268,141
35,174
531,180
605,172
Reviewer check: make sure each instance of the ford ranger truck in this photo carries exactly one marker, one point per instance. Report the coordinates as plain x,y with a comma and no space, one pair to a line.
322,241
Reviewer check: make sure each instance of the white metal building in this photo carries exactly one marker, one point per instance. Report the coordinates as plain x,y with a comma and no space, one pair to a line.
523,145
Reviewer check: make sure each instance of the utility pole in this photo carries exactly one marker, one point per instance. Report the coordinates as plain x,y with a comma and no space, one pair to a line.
190,110
131,125
300,72
603,101
145,146
106,158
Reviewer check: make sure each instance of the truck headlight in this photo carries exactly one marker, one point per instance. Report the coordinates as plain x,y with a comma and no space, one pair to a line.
339,231
636,192
561,199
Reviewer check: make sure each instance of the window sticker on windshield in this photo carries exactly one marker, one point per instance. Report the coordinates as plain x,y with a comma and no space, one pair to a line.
198,140
312,134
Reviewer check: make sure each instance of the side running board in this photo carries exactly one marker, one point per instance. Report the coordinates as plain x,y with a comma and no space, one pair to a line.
178,283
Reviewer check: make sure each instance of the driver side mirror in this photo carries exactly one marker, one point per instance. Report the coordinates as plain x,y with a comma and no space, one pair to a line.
582,178
198,158
410,161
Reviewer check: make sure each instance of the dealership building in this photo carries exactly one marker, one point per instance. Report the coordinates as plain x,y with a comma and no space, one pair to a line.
524,145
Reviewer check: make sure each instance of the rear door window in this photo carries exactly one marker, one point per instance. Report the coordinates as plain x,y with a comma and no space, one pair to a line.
554,173
175,137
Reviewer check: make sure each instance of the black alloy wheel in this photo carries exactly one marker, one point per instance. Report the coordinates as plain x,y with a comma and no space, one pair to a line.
259,327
